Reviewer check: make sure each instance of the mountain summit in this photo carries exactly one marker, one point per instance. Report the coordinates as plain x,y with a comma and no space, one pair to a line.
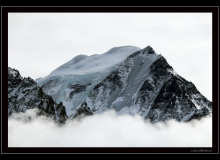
128,80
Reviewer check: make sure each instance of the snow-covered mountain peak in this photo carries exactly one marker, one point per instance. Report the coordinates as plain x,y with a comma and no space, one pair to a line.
121,49
148,50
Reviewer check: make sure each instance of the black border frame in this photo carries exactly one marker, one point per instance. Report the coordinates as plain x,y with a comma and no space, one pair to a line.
124,150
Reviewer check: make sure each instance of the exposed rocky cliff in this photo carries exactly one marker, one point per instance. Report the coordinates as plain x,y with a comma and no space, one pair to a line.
24,93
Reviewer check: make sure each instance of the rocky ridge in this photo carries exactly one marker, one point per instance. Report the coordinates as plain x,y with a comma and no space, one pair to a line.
24,93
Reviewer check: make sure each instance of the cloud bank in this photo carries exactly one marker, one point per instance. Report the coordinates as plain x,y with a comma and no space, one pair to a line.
106,130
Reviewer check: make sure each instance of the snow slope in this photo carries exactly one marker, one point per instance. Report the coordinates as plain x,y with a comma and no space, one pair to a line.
82,70
83,65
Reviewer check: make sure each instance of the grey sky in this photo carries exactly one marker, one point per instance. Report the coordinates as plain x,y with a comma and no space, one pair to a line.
41,42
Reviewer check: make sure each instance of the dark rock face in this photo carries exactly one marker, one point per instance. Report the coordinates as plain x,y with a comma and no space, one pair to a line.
77,88
114,81
24,93
82,111
61,111
177,99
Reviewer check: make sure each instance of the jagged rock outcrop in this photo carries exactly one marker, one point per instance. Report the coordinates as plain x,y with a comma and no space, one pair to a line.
77,88
24,93
81,112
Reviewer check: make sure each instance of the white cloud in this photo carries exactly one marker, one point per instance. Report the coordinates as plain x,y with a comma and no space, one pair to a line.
106,130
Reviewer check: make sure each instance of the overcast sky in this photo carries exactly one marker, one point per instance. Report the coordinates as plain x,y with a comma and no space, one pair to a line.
38,43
